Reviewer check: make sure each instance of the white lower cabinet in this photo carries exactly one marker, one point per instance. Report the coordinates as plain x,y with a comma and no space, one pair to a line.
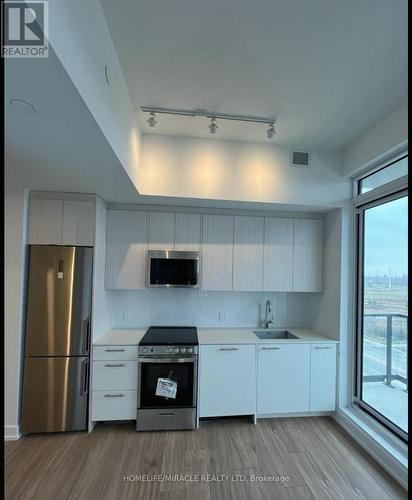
114,383
114,405
323,377
233,380
283,378
227,381
114,375
115,352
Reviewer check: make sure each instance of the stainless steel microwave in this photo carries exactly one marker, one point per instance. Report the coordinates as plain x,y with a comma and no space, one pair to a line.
170,269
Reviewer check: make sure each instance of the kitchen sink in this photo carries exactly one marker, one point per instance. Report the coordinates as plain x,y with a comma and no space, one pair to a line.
274,335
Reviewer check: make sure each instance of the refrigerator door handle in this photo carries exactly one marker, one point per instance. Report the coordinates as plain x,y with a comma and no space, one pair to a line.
87,336
84,376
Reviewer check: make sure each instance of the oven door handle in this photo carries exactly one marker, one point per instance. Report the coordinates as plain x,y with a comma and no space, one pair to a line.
167,360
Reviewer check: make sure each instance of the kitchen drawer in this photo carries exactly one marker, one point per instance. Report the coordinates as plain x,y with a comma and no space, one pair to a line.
114,405
115,352
111,374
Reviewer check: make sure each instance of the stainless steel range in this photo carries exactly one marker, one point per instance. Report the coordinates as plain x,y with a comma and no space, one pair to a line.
167,371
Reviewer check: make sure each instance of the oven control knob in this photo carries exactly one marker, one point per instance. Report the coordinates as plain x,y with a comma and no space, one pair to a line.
144,349
183,350
190,350
176,349
170,349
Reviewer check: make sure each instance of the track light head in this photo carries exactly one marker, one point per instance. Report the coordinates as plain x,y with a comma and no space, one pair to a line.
152,120
213,127
270,131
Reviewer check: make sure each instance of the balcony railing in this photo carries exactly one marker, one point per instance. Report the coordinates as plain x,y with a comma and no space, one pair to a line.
388,377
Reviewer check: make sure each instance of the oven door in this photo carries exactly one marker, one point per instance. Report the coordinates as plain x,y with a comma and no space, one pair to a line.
182,370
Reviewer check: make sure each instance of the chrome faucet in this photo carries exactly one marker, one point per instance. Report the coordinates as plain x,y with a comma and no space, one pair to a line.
268,315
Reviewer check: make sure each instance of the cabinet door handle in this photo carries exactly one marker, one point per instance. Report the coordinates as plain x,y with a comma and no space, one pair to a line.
114,395
270,348
323,347
112,365
114,350
228,349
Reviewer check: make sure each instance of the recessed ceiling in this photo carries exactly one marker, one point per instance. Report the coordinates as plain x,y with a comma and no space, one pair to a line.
61,147
326,70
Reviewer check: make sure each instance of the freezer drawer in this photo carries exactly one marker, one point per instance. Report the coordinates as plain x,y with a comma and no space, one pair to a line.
55,394
114,405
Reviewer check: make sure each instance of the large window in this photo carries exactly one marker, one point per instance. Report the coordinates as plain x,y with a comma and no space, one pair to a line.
382,310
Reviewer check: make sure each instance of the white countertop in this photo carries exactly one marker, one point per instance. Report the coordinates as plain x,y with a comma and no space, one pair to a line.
126,336
212,336
246,336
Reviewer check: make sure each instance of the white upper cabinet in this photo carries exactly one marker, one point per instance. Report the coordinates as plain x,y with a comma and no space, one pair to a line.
236,252
45,222
248,254
78,223
61,222
278,255
307,256
161,231
187,232
216,262
126,249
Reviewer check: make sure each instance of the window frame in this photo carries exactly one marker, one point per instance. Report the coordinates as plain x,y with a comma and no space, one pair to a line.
388,192
378,168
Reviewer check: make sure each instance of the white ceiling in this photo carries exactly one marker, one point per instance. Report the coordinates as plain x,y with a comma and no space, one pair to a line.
325,69
60,147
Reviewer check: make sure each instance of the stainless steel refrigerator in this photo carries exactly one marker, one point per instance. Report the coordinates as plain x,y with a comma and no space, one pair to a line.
57,343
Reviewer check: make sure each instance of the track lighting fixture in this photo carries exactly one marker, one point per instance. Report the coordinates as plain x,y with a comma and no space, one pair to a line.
213,127
152,120
270,131
270,122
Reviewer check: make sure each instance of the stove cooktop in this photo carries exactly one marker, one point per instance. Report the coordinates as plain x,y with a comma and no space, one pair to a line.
170,335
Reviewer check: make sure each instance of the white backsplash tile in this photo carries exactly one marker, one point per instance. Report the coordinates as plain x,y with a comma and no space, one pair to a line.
201,308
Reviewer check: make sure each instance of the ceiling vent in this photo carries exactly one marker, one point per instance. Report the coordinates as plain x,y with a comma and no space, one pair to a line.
300,159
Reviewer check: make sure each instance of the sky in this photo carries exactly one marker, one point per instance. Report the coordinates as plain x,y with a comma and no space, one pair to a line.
386,239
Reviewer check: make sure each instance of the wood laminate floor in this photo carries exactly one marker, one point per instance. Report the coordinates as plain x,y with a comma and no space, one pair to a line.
299,458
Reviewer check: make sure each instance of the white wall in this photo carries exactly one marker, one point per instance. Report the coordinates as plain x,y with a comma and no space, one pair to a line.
201,308
328,320
385,137
347,275
102,298
81,39
16,199
229,170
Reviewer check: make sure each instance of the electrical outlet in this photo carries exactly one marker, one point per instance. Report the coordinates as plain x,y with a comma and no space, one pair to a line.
222,316
125,316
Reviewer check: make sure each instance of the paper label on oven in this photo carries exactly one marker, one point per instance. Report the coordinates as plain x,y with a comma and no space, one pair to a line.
166,388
